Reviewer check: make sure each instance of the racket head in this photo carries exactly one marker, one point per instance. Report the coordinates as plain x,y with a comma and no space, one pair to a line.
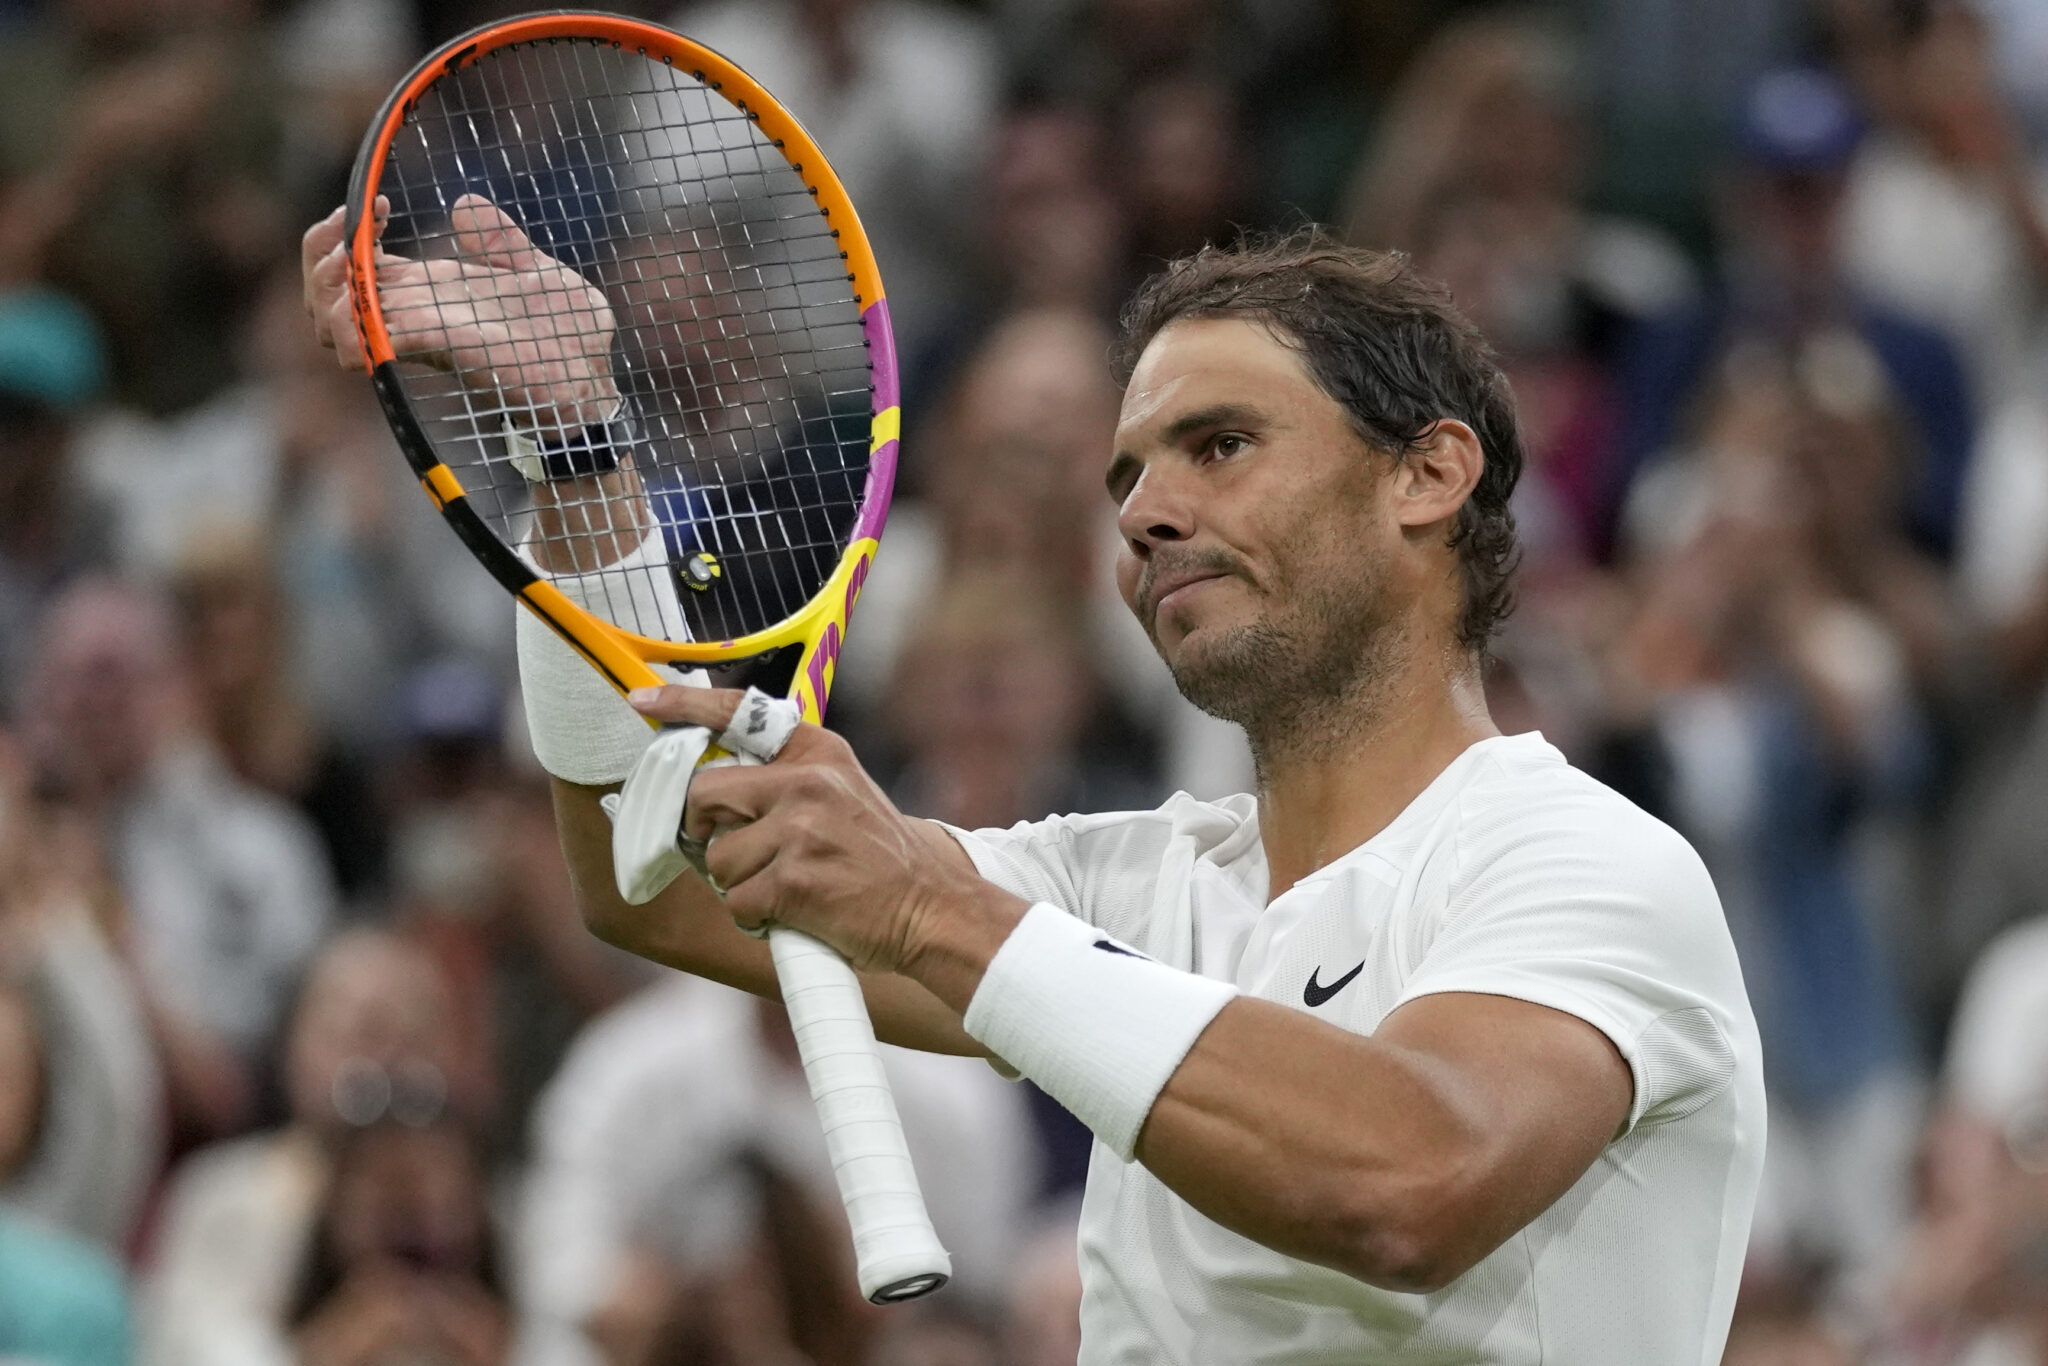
750,330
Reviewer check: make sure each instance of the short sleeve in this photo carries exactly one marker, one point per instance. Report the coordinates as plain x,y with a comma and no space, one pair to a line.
1588,906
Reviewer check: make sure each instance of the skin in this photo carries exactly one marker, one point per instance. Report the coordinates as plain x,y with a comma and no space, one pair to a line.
1243,491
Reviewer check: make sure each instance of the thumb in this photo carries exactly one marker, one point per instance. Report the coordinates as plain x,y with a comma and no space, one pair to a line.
482,229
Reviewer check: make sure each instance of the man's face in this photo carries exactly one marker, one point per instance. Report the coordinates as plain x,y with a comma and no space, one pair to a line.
1258,551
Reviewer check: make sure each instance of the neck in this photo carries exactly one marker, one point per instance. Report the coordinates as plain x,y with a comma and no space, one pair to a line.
1373,751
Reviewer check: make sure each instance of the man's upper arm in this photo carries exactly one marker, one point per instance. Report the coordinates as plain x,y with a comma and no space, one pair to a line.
1544,1090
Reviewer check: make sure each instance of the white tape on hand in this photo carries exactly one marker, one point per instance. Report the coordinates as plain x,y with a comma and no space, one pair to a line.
582,730
648,820
761,726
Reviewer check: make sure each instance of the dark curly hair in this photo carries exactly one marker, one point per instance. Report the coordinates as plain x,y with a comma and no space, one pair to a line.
1387,344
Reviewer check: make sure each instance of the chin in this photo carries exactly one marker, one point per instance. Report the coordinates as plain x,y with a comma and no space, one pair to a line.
1227,673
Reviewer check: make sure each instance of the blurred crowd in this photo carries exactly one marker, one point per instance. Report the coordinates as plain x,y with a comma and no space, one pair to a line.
305,1056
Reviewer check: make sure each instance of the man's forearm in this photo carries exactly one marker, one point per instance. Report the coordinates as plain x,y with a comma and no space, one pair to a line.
1401,1158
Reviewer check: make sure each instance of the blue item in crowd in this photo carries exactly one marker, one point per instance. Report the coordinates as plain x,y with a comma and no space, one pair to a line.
1799,120
51,353
62,1301
1665,359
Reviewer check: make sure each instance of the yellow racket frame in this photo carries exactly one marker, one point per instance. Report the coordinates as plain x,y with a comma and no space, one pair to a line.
624,657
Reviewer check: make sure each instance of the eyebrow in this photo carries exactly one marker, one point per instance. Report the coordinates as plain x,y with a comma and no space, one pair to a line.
1215,415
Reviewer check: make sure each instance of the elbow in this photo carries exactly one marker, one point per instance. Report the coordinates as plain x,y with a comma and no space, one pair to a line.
603,921
1415,1238
603,913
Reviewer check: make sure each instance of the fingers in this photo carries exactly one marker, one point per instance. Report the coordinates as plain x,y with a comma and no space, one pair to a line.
323,264
686,706
482,229
737,854
732,795
320,241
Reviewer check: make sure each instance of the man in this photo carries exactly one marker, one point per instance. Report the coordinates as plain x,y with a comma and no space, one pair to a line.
1434,1049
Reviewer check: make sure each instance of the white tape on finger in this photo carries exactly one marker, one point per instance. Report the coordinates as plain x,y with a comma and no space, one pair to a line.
761,725
898,1254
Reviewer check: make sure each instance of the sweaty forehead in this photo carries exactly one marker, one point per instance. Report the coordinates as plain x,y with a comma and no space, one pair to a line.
1203,362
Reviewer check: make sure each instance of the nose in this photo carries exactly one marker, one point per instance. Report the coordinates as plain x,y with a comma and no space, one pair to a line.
1155,512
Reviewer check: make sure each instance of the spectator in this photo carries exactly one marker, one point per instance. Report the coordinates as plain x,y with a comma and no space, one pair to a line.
62,1300
50,367
402,1265
97,1144
901,94
1944,216
373,1034
298,455
1492,112
226,889
138,170
232,621
987,709
1783,281
478,878
1052,230
1779,685
1026,434
1182,177
1969,1285
651,1144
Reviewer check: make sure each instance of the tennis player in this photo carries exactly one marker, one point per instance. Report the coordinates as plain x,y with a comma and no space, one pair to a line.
1433,1049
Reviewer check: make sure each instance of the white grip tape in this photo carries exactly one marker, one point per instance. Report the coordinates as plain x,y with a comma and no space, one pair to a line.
897,1251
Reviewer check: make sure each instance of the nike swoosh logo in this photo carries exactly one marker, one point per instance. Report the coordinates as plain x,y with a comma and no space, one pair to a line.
1107,946
1315,993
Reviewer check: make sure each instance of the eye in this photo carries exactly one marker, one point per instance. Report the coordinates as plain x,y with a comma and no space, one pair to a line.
1226,444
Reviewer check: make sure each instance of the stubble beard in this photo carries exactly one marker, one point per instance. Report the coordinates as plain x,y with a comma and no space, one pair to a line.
1304,681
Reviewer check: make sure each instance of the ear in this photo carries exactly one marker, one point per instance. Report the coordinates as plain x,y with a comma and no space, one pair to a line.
1433,480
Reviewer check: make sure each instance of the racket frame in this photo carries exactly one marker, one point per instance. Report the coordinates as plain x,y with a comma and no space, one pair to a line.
623,657
900,1258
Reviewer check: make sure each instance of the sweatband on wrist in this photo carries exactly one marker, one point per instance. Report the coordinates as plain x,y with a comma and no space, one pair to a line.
1098,1025
582,730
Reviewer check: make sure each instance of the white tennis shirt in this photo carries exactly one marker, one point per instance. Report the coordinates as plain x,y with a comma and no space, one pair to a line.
1512,874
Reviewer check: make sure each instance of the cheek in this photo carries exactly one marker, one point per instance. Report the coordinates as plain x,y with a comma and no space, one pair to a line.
1128,569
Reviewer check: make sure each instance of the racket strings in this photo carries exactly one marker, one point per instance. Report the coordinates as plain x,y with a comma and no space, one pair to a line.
737,337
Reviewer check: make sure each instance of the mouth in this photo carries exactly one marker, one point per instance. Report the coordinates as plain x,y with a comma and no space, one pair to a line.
1176,587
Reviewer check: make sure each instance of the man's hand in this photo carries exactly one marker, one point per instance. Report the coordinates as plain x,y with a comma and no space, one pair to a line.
503,314
809,841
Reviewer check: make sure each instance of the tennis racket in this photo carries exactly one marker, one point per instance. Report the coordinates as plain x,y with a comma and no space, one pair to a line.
625,325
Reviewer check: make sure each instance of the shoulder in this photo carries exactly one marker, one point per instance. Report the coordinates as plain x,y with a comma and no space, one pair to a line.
1539,863
1526,804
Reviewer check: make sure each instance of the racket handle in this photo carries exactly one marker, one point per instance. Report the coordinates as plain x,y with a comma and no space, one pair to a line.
898,1254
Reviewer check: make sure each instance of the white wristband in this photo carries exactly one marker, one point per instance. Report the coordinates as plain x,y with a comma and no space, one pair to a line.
583,731
1095,1023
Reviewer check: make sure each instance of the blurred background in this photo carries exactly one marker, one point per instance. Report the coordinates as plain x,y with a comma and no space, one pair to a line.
304,1055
